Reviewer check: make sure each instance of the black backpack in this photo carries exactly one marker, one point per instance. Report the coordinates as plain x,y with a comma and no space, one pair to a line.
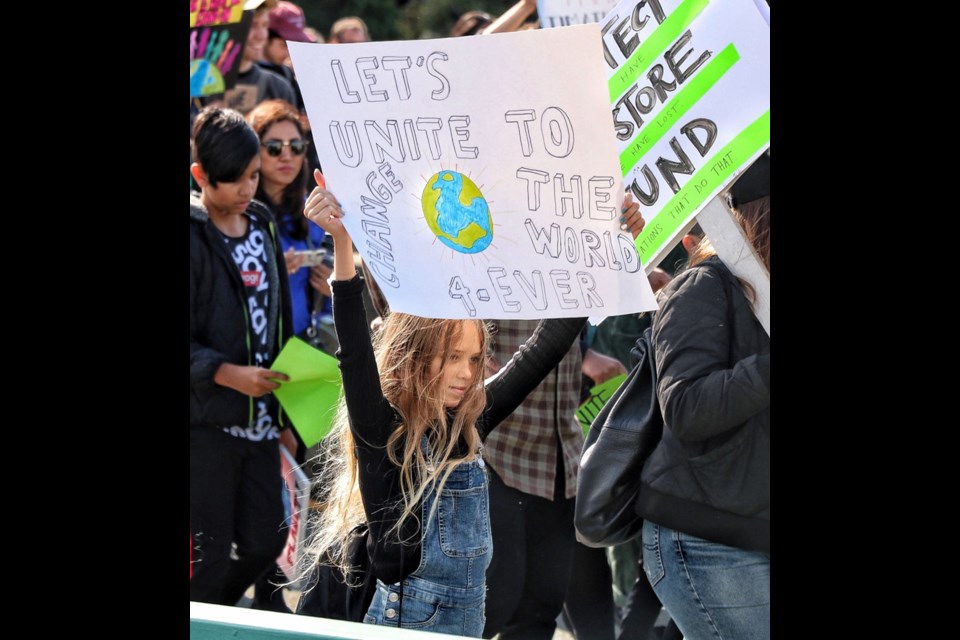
330,594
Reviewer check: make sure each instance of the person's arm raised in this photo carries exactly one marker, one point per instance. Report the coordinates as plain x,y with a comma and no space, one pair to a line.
371,416
323,208
513,18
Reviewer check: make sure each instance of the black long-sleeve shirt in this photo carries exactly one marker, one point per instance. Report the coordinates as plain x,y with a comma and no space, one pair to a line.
372,419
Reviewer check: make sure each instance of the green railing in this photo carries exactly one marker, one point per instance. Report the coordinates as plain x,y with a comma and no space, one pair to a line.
216,622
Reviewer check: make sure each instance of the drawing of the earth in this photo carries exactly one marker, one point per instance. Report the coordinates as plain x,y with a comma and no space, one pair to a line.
205,78
457,213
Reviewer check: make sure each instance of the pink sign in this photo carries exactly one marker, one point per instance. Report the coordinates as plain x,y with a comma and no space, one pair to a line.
211,12
296,503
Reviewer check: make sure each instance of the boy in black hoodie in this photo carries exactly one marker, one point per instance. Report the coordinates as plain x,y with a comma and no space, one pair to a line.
239,319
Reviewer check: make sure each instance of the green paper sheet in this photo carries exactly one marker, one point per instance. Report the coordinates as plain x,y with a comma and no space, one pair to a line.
310,397
598,397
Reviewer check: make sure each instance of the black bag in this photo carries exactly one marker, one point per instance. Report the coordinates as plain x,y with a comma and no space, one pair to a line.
329,594
621,438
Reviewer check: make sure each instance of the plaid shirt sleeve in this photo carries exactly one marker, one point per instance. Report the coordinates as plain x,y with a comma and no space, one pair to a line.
523,448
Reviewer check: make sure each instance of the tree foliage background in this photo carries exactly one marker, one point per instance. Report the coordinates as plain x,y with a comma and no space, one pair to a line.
398,19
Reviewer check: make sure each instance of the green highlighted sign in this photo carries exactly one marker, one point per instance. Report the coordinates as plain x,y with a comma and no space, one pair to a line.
678,106
703,184
640,60
691,106
598,397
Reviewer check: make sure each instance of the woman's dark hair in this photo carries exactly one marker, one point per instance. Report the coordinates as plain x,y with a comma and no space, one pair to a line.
754,218
223,144
289,211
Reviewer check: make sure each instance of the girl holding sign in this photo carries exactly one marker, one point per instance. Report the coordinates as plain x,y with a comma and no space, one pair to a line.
407,446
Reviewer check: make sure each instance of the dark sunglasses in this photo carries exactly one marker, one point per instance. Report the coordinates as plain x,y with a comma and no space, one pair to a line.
275,147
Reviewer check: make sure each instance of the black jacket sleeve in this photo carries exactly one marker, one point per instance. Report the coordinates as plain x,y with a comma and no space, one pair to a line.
372,419
535,358
204,360
370,413
701,392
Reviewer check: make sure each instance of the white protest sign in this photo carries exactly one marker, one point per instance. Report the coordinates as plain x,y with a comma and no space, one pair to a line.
689,84
478,175
563,13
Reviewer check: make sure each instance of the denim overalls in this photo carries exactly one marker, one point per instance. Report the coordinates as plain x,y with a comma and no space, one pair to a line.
446,592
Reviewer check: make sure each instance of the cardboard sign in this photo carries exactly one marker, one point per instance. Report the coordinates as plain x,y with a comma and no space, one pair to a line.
563,13
479,175
296,503
689,83
205,13
215,52
599,395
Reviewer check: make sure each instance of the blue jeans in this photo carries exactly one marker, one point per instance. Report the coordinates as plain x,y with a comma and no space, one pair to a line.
446,592
710,590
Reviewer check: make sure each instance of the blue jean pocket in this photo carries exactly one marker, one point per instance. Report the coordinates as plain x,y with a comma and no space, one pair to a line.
417,611
419,614
464,522
652,562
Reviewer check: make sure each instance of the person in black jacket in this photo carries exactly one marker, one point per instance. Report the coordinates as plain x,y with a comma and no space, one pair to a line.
706,487
239,319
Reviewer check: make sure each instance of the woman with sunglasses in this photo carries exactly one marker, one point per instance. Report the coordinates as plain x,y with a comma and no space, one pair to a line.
283,187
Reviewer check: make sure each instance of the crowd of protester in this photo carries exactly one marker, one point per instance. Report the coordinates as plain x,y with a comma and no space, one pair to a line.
258,201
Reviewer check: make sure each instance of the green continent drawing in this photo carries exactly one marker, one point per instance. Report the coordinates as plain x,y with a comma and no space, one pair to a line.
457,213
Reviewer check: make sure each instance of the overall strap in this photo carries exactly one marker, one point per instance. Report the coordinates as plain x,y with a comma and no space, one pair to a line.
402,580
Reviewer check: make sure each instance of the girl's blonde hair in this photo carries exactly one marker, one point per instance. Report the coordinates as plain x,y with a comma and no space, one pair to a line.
405,348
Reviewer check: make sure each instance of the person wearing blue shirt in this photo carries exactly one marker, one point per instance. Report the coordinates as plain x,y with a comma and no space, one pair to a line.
283,180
